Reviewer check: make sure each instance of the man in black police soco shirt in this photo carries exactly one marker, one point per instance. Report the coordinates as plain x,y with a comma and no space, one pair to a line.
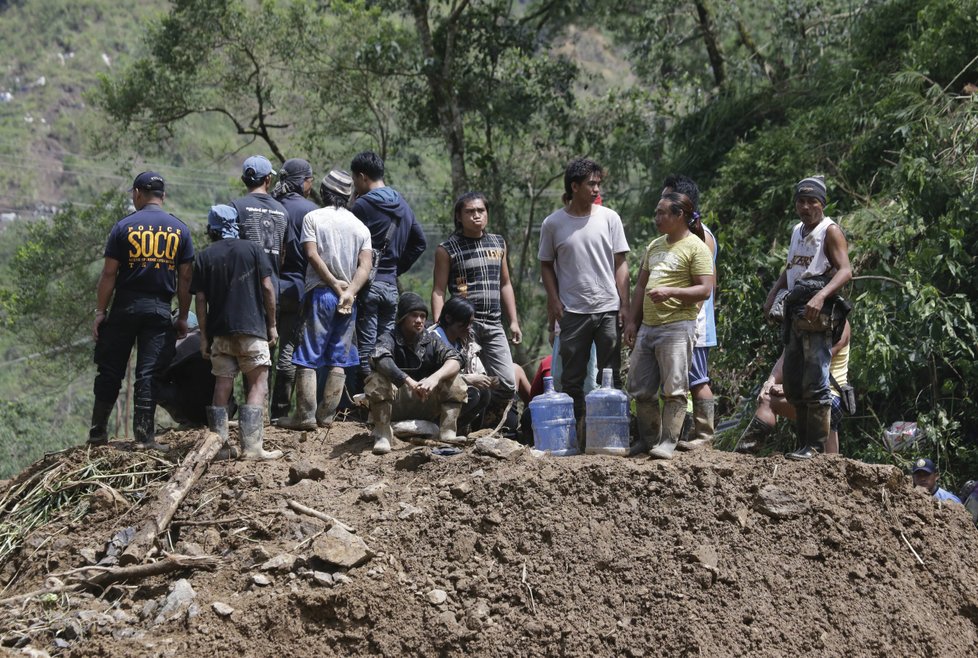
148,257
261,218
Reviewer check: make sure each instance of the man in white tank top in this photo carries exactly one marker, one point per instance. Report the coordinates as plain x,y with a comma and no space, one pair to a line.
818,249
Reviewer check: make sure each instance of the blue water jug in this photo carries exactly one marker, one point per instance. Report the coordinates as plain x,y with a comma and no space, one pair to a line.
607,419
554,427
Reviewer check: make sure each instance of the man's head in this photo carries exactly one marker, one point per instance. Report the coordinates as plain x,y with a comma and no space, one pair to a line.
582,181
471,215
256,172
295,176
683,185
367,168
336,188
456,317
148,187
810,199
925,475
222,223
411,315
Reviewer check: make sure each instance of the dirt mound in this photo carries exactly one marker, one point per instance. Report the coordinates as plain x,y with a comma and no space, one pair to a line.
711,554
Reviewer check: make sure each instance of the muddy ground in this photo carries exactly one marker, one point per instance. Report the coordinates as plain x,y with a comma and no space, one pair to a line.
710,554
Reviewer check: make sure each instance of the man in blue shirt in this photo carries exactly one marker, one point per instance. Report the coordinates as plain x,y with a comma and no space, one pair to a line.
148,258
925,475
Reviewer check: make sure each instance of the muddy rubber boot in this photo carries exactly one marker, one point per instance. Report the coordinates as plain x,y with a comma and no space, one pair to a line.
703,411
380,416
252,429
754,437
282,394
304,418
673,415
448,422
648,425
332,393
144,428
217,422
98,432
817,423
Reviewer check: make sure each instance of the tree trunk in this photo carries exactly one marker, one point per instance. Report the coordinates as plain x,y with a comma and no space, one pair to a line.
171,496
439,74
708,29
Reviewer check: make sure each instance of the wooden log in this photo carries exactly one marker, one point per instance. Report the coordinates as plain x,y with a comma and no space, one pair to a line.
330,521
107,576
171,496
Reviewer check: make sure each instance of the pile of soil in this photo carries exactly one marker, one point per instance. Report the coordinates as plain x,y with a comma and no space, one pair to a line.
712,553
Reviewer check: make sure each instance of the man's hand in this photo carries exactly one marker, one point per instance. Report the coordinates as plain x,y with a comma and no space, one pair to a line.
99,319
814,307
516,334
482,382
272,336
426,386
205,348
659,295
345,306
415,388
555,310
629,334
181,328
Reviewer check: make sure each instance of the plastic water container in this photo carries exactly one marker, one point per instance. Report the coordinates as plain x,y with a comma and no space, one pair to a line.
607,419
554,427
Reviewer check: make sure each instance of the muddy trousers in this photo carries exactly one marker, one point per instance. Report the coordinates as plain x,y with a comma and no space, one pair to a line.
807,355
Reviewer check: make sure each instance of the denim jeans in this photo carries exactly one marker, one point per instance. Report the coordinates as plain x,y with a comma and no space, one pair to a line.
495,354
376,310
577,332
144,322
661,360
289,317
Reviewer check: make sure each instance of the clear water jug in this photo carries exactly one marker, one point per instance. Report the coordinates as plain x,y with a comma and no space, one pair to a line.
554,427
607,419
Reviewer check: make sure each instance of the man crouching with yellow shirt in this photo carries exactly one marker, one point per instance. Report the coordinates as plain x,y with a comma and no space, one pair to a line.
676,274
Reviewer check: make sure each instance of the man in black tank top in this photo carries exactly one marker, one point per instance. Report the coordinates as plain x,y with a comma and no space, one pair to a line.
472,264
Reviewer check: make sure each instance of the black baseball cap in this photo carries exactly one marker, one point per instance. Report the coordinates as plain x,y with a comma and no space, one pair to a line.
149,181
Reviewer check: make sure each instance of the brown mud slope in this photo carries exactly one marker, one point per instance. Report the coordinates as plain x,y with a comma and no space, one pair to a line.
712,554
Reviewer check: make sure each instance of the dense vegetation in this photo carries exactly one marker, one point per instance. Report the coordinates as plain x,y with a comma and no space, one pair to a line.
879,96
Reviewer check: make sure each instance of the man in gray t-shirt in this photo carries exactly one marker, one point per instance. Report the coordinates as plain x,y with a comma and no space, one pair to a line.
338,247
583,262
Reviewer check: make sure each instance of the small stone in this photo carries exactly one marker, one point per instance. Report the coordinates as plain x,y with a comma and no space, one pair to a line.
323,578
707,556
437,596
408,511
478,473
282,563
498,448
444,495
89,555
341,579
304,470
342,548
462,489
222,609
448,619
810,551
779,504
177,602
190,548
261,580
372,492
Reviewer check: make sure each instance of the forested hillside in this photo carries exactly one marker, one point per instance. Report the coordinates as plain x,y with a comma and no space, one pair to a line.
879,96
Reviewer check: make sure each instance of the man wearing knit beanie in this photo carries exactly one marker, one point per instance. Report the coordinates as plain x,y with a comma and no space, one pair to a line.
414,377
816,270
